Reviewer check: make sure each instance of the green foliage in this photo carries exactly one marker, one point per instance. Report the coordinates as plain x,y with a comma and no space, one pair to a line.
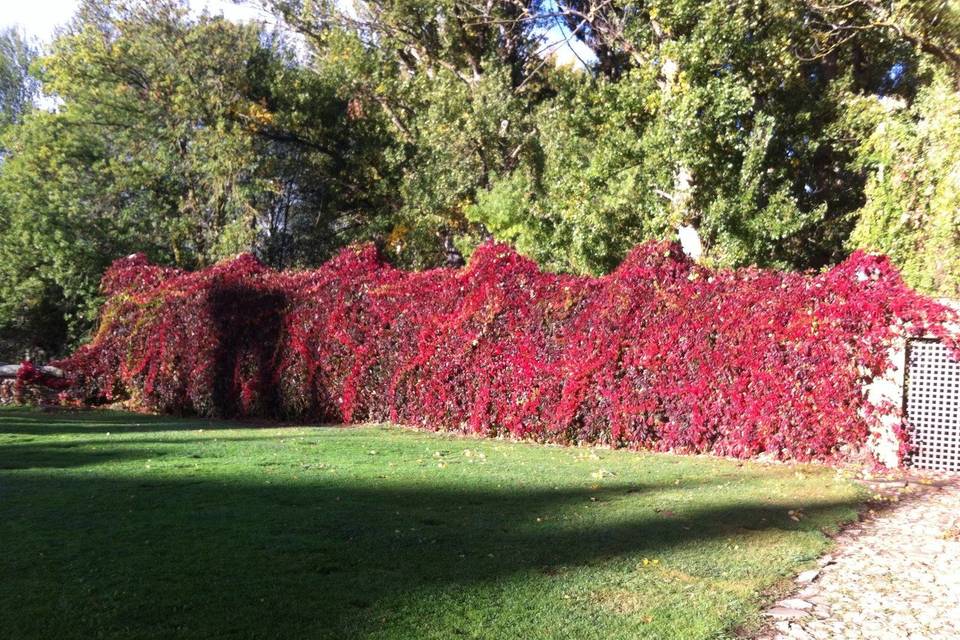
17,87
56,240
912,211
190,139
428,126
467,134
448,84
710,118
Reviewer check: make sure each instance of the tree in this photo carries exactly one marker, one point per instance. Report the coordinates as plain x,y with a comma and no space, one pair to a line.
454,82
912,212
429,126
18,88
724,116
190,139
700,113
932,27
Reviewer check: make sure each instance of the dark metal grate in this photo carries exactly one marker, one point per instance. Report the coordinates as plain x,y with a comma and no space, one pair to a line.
933,405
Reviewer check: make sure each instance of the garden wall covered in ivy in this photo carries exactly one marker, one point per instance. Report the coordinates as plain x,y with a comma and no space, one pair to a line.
661,354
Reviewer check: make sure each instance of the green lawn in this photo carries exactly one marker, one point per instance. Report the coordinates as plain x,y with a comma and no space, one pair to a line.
128,526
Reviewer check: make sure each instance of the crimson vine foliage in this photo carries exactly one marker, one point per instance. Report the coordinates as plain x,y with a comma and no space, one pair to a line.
661,354
29,376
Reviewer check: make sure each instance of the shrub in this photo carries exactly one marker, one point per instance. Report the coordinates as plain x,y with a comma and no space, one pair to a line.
35,385
661,354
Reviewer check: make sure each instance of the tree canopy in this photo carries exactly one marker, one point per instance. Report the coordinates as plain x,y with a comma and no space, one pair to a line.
787,132
17,87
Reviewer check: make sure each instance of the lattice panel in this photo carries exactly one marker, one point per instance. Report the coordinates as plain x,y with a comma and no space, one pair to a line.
933,405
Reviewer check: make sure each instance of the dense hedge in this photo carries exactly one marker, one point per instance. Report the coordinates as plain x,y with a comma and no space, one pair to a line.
661,354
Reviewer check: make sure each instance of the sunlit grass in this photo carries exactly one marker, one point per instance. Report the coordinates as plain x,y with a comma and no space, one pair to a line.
127,526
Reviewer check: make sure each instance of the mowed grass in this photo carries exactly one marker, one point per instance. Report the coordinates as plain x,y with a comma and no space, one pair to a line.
127,526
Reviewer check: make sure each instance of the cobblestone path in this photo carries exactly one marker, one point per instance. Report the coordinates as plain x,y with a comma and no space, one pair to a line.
893,576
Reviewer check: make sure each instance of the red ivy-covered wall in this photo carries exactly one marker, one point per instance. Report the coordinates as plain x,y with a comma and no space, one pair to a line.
661,354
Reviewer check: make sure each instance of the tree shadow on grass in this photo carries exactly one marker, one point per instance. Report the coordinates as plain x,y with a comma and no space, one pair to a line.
34,422
52,457
27,453
315,557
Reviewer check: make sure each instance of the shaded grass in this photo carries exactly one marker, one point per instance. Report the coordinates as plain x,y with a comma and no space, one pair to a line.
119,525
